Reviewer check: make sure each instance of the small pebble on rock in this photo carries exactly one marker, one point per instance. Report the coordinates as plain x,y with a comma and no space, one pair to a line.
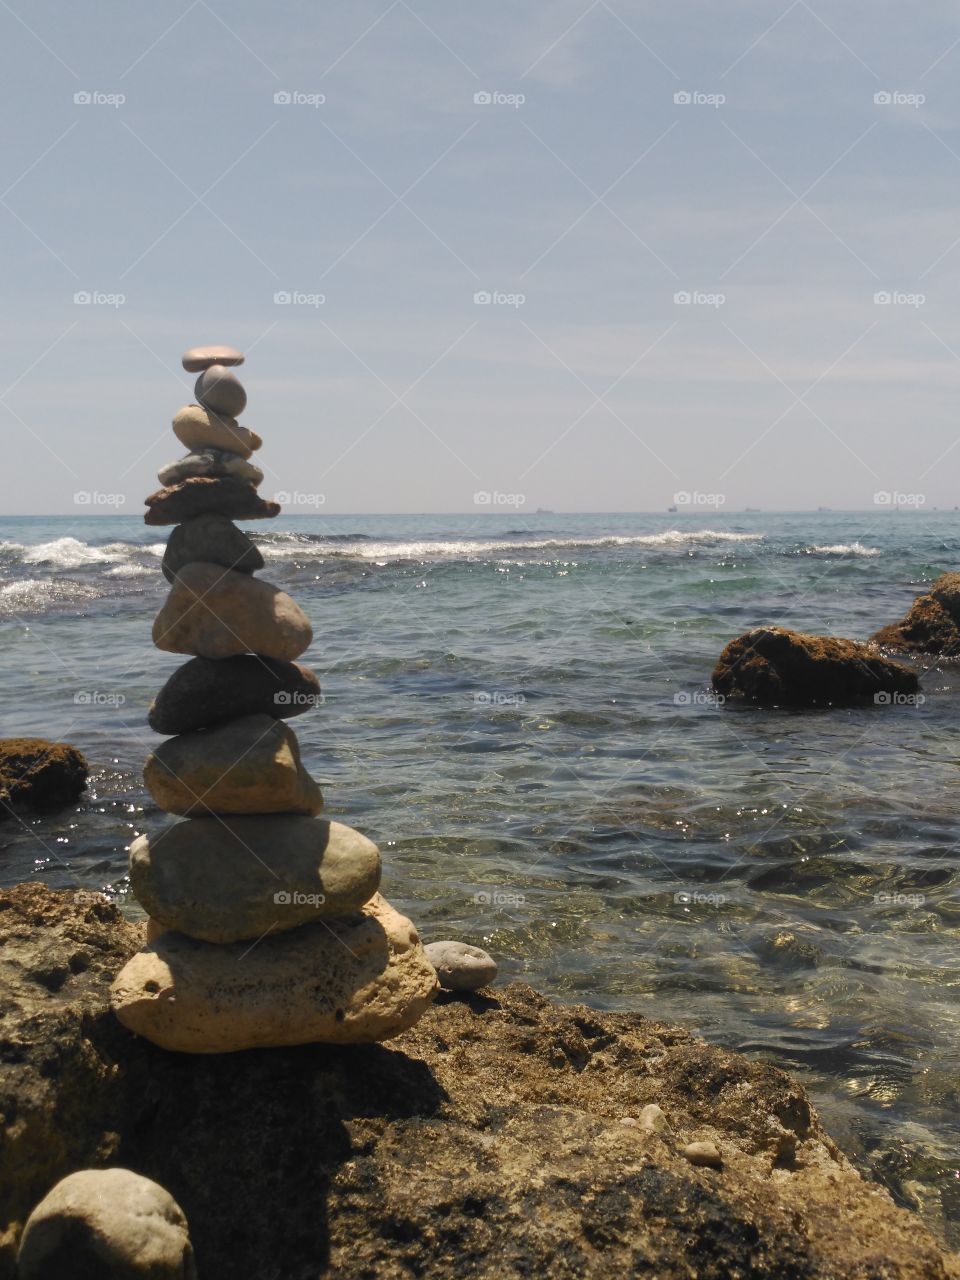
704,1153
461,967
652,1117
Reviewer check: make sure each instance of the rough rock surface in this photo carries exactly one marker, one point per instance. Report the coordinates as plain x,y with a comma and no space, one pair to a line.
208,495
41,774
486,1142
777,667
205,692
932,623
213,539
106,1224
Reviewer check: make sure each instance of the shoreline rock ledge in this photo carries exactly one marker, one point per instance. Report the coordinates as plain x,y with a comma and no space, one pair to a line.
266,924
502,1136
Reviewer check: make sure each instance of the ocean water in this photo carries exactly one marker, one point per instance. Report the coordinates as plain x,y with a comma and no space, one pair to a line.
517,710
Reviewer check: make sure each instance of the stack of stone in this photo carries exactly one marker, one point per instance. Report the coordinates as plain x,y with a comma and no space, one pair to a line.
266,927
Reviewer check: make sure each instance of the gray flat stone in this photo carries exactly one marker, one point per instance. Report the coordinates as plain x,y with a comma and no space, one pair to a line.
199,358
214,539
220,390
460,966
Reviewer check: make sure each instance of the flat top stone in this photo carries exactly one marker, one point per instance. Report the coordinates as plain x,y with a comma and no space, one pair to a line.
199,358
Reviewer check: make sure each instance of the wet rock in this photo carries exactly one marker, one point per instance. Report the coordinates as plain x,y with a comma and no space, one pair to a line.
932,623
106,1224
777,667
40,774
205,692
484,1142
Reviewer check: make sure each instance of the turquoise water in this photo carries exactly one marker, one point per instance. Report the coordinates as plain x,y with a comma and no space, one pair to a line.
517,709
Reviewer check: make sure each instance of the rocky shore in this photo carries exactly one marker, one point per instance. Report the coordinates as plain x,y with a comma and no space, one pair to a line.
503,1135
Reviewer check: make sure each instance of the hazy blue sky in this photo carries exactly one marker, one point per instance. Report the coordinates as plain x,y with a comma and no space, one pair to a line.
797,198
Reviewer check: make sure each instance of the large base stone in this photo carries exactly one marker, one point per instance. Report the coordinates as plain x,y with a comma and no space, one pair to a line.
352,980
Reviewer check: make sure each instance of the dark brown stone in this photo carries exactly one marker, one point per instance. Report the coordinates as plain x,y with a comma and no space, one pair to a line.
931,625
41,774
207,691
777,667
212,539
204,496
487,1142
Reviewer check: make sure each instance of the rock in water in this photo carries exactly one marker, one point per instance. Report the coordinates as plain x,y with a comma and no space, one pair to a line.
221,391
207,495
200,428
461,967
41,774
250,765
106,1224
202,693
932,623
776,667
213,539
225,880
217,613
209,462
199,358
352,980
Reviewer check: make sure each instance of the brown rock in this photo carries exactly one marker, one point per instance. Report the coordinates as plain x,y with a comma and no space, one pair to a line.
486,1142
353,979
202,692
213,539
777,667
205,496
250,765
216,613
200,428
199,358
932,623
41,774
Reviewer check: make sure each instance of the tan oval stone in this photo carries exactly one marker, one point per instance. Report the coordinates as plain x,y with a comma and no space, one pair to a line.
356,979
199,428
199,358
216,613
250,765
228,879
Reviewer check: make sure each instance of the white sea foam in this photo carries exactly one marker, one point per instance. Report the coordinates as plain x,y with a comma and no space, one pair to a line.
844,549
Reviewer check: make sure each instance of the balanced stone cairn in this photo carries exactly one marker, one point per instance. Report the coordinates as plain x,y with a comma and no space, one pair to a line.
266,926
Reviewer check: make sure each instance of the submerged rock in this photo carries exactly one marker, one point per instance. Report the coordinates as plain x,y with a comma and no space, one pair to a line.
932,623
41,774
777,667
485,1142
106,1224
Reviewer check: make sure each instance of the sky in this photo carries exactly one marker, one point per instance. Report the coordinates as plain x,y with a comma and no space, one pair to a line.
583,255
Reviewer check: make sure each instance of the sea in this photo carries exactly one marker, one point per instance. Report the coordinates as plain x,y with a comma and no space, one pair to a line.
517,708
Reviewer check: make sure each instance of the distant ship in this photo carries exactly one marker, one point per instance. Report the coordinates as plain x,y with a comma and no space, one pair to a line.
824,508
671,509
543,511
753,509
